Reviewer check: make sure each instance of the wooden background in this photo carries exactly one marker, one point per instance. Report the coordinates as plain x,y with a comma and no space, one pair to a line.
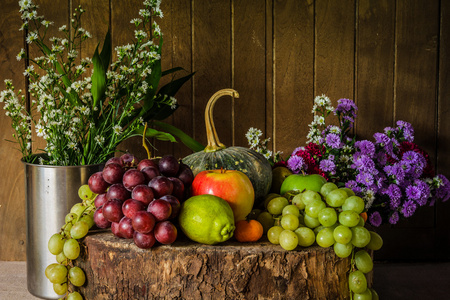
391,57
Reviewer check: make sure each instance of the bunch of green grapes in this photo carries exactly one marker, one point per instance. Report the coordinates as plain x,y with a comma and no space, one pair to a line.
329,218
66,247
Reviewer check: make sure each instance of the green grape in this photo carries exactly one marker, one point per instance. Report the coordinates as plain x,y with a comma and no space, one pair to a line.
311,222
270,197
336,198
343,250
350,192
363,261
325,238
361,222
374,294
74,296
290,222
49,268
327,216
313,208
291,209
78,209
349,218
61,258
357,282
318,229
308,196
301,220
298,201
58,274
366,295
79,230
56,244
276,205
342,234
274,234
88,219
77,276
288,240
71,249
306,236
85,193
67,229
327,187
60,288
376,242
354,203
360,236
266,220
70,217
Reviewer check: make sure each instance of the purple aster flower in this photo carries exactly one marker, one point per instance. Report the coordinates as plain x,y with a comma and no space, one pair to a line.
393,219
363,163
366,148
424,188
346,106
394,203
382,139
413,192
353,185
389,131
375,219
296,164
408,209
381,158
443,191
333,140
365,178
327,165
408,130
396,172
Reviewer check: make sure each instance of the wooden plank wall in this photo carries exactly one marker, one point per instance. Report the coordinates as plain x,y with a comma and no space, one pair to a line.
391,57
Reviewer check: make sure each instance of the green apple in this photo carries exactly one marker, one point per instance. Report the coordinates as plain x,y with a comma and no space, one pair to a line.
299,182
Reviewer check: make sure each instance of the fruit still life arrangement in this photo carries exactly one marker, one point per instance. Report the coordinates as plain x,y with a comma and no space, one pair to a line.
210,197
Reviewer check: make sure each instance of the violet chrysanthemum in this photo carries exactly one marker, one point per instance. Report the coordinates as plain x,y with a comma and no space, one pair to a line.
365,148
296,164
327,165
393,219
413,192
408,208
333,140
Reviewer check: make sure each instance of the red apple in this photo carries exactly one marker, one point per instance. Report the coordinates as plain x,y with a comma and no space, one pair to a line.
231,185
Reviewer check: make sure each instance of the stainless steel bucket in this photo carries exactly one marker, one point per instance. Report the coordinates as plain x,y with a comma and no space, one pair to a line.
51,191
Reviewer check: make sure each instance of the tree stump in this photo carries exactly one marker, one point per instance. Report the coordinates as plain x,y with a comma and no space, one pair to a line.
118,269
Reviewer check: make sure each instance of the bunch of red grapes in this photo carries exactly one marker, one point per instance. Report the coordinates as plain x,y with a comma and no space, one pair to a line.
140,199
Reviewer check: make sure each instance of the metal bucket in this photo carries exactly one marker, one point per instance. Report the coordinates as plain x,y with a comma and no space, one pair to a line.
51,191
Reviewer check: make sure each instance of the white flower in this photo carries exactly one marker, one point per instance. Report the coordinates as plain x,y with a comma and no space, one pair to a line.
32,36
72,145
28,70
85,110
117,129
173,102
21,54
46,23
62,28
40,130
136,21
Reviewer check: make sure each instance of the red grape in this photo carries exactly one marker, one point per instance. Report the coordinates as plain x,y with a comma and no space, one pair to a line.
112,210
112,173
165,232
143,193
150,173
132,178
130,207
143,222
174,203
161,186
144,240
115,229
178,187
129,160
126,228
100,219
160,209
100,200
115,160
118,191
146,163
97,184
185,174
168,165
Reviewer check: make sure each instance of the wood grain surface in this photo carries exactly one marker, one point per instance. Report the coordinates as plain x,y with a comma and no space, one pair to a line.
391,57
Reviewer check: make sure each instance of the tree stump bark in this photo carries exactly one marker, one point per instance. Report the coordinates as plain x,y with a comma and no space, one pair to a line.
118,269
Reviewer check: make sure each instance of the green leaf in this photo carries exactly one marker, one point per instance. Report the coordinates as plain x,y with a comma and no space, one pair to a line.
153,133
184,138
172,87
101,63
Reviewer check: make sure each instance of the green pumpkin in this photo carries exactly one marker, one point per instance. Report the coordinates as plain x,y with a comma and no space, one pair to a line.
216,155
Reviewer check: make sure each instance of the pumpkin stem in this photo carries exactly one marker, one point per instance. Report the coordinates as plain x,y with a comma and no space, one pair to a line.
214,143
